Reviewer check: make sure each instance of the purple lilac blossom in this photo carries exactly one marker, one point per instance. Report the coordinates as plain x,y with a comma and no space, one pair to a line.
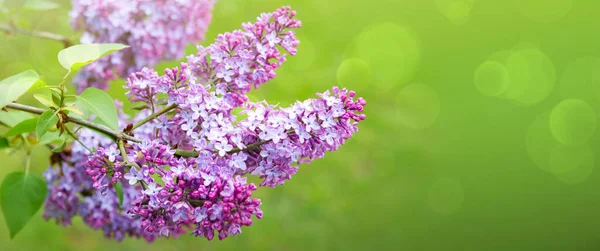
71,192
206,192
154,29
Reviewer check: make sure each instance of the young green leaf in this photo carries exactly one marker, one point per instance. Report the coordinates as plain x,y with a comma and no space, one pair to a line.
21,195
25,126
51,138
119,191
45,122
15,86
77,56
55,96
100,103
99,121
3,143
46,101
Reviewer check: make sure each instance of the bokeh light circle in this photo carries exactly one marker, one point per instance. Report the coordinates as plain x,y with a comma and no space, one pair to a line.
573,122
563,159
446,196
354,72
582,170
500,56
540,142
392,52
581,80
570,164
457,11
491,78
532,76
543,10
417,106
524,74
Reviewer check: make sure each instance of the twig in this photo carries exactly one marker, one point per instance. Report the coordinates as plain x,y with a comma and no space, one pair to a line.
94,126
196,203
250,147
187,153
12,28
154,115
122,150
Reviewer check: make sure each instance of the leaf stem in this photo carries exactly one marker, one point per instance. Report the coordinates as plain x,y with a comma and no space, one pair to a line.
154,115
196,203
12,28
249,147
27,162
186,153
122,150
81,122
72,134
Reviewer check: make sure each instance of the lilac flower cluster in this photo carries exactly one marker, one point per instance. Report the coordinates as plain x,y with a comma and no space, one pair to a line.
71,192
155,29
191,195
189,170
241,59
297,134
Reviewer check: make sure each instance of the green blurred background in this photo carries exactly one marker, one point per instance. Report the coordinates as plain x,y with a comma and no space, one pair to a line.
480,130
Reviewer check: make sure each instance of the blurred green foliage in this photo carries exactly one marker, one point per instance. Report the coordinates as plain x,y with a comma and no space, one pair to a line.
462,148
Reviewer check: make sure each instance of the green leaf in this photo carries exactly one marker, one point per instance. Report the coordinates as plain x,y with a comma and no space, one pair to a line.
25,126
45,122
100,103
79,105
40,5
99,122
46,101
13,117
80,55
55,96
74,109
119,191
21,195
51,138
4,143
15,86
60,147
